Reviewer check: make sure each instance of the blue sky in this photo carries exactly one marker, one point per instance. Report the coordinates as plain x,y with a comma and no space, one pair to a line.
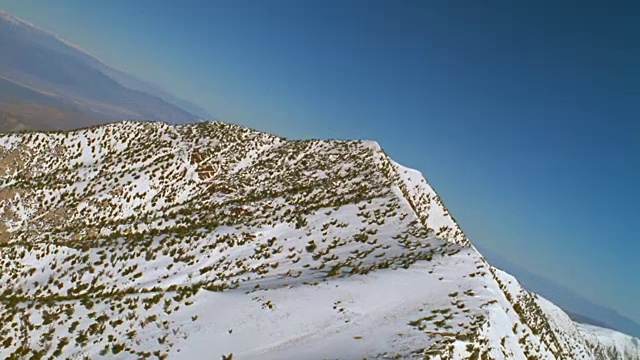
525,117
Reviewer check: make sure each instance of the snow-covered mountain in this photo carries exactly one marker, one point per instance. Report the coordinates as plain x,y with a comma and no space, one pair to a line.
202,241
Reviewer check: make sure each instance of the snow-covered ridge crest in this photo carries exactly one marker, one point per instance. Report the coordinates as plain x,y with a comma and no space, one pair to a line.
138,240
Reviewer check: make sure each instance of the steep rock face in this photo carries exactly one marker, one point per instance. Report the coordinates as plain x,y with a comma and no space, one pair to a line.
143,239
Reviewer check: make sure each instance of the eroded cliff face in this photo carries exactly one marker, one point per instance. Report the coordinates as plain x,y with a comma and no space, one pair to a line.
149,240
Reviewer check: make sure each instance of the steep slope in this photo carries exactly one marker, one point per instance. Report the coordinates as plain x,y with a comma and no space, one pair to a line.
578,307
144,239
609,344
64,75
602,344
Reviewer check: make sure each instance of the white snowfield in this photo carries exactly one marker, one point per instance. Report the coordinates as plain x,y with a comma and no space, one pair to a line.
210,241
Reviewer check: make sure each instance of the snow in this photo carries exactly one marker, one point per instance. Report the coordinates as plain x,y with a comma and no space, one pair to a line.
377,310
8,142
305,249
623,345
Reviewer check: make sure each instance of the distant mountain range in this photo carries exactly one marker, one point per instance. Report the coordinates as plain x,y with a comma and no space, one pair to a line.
46,83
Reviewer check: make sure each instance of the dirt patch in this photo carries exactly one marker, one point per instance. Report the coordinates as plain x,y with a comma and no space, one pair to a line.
5,235
56,215
9,194
205,170
11,161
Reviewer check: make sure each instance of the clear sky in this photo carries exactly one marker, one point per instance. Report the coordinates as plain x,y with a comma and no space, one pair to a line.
525,115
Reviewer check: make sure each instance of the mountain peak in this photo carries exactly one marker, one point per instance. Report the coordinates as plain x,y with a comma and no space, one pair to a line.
141,238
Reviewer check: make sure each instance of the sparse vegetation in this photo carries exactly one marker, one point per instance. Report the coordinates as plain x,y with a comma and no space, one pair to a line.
105,239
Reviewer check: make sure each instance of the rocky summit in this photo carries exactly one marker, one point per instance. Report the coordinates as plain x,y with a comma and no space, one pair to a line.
207,241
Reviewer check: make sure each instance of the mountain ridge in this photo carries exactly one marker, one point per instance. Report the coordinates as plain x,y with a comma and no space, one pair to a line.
168,221
579,308
68,76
